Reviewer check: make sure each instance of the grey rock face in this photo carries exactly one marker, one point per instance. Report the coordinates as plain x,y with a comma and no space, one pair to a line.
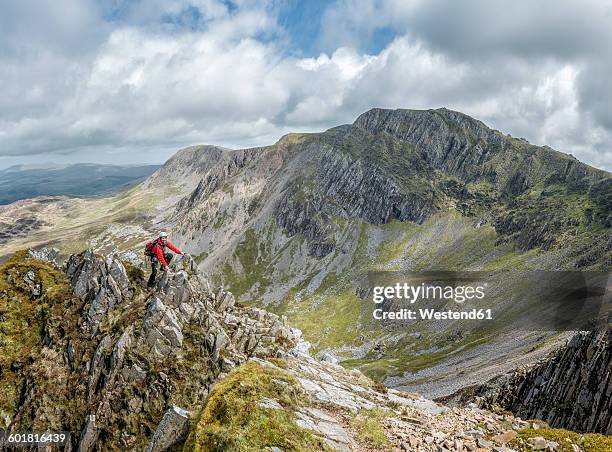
442,133
572,389
102,283
119,350
172,428
345,186
170,308
97,364
134,373
223,301
162,329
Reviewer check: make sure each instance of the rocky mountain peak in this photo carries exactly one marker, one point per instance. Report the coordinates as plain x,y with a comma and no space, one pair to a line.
187,166
404,123
451,141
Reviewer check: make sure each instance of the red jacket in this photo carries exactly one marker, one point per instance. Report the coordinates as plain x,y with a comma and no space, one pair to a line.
158,251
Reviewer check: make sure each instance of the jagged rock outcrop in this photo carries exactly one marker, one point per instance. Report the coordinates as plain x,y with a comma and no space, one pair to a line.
103,283
570,389
182,308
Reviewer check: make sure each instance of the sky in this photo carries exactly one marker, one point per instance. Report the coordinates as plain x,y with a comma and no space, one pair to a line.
132,81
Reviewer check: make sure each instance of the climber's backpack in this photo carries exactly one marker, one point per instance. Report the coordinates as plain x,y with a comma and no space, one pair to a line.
149,247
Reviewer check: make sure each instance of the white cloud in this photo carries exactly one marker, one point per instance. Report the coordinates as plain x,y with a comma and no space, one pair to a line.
145,89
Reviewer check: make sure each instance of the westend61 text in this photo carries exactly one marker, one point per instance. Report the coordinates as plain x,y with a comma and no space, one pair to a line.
432,314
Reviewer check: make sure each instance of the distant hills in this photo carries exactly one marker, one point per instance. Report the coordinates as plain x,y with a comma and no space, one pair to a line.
83,179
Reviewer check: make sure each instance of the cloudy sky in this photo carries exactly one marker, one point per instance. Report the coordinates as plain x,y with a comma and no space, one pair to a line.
131,81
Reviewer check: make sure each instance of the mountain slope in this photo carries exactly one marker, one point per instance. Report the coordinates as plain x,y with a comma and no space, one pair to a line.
293,226
187,368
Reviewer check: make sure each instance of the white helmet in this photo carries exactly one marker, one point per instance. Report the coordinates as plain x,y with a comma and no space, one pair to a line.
163,234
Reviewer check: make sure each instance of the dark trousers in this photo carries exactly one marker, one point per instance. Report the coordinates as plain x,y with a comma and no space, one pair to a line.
155,265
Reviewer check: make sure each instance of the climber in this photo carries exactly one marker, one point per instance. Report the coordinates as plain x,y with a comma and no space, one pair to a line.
156,250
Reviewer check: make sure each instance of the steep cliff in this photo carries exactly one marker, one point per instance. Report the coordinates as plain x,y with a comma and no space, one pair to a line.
571,389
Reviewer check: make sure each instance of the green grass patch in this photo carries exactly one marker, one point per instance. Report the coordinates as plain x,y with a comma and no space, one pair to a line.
233,420
369,427
399,233
332,322
23,316
404,357
590,442
254,257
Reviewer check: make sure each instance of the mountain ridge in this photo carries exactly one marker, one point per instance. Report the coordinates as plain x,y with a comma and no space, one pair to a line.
291,224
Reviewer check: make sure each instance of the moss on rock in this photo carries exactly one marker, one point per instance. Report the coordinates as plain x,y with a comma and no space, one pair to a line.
30,291
235,419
